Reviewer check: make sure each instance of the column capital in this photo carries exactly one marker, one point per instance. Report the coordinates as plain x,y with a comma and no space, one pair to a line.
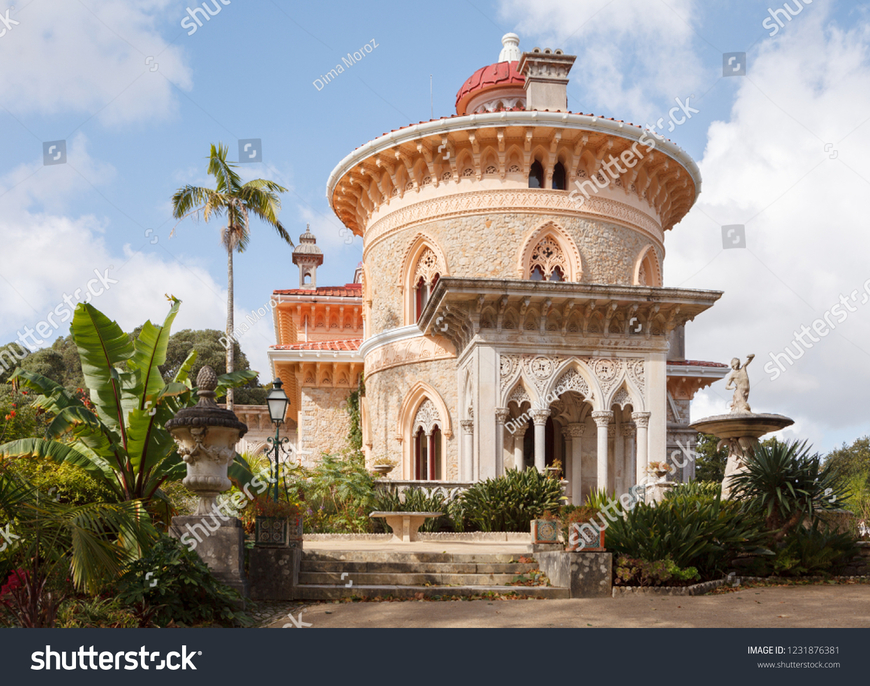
628,430
501,414
539,417
602,418
641,419
467,425
575,430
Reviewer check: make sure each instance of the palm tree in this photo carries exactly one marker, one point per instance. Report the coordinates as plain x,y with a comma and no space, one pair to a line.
237,201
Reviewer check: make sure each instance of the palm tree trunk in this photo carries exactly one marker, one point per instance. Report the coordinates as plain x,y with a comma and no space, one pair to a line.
230,340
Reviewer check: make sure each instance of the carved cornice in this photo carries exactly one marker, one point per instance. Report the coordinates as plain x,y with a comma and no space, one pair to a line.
409,351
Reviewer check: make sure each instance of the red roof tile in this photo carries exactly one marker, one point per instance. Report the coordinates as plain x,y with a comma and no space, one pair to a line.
335,346
349,290
498,75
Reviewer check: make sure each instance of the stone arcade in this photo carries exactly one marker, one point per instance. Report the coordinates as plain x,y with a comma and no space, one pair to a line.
509,309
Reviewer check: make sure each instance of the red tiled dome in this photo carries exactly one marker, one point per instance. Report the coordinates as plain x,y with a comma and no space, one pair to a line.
498,75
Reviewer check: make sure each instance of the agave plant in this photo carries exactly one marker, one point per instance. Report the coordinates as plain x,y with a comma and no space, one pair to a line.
787,485
118,436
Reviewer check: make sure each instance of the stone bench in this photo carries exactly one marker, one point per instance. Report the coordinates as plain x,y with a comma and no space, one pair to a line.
404,525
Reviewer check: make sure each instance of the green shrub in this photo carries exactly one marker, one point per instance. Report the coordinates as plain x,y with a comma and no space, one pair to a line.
185,592
695,489
509,502
693,532
631,572
66,483
96,613
811,551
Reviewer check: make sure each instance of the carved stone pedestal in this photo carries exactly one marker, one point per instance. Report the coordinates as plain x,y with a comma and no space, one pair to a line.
220,544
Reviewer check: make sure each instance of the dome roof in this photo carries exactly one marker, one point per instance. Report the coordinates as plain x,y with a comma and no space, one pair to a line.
307,245
491,77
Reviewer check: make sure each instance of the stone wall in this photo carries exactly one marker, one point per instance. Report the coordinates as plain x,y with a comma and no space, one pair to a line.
386,391
324,422
487,246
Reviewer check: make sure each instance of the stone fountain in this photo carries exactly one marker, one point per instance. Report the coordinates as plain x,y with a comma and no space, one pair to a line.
739,430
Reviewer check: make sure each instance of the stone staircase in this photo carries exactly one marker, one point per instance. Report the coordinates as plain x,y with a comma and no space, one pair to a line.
326,575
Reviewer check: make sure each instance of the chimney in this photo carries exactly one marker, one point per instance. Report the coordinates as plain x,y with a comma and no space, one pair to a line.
546,73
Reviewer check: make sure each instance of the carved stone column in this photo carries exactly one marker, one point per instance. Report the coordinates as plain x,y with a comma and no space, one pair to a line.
576,431
602,421
501,415
467,448
519,440
641,421
628,432
539,417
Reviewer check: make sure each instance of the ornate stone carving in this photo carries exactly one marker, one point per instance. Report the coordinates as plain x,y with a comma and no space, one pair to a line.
427,267
541,367
501,415
411,351
476,202
622,398
738,380
602,418
427,417
572,381
519,396
507,366
467,425
548,255
641,419
539,417
636,372
576,430
629,430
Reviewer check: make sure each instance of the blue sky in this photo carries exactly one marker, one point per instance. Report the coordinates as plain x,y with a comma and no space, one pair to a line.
85,73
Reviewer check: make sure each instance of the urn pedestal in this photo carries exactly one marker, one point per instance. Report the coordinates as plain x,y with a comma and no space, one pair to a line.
206,436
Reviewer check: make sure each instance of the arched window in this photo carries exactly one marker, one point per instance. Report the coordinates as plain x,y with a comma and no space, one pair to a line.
559,183
536,175
425,278
548,261
427,443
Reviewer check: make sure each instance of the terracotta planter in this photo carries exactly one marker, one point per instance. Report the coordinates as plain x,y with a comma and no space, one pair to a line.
278,532
546,530
582,540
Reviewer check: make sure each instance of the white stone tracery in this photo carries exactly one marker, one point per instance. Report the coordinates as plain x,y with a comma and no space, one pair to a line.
427,418
548,255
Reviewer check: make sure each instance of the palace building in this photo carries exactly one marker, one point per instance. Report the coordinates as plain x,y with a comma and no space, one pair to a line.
509,310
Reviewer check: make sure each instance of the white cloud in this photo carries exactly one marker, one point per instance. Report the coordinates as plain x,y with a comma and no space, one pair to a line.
767,167
613,39
73,57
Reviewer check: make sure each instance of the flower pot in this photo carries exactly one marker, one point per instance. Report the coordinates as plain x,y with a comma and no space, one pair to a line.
546,530
278,532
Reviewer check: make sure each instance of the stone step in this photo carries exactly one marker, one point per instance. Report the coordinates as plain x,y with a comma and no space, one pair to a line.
403,557
416,567
328,592
404,579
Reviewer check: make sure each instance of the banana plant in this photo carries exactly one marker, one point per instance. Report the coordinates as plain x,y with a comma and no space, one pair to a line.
118,437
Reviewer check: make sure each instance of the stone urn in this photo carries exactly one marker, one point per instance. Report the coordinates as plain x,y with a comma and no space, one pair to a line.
384,469
206,436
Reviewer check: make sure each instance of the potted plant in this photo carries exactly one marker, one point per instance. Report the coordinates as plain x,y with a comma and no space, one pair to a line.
383,465
583,533
554,471
546,529
660,469
278,523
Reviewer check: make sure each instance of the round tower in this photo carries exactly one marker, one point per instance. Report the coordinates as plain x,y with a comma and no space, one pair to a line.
509,250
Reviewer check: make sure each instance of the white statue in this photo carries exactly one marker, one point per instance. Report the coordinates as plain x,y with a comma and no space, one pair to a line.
738,379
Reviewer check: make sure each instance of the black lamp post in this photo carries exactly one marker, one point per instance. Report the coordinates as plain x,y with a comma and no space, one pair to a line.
277,401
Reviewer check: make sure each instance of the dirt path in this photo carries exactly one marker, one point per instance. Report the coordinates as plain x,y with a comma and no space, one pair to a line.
820,606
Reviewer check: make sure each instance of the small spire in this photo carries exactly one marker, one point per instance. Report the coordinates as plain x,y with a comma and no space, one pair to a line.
511,50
